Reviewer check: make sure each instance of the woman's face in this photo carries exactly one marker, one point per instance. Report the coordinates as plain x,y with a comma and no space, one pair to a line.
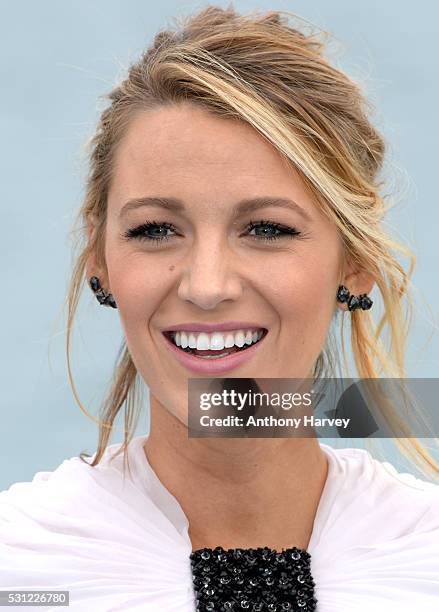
211,261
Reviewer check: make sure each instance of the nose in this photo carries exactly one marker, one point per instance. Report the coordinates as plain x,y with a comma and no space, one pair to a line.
210,275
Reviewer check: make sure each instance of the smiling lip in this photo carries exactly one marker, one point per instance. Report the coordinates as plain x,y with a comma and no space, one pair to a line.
213,367
212,327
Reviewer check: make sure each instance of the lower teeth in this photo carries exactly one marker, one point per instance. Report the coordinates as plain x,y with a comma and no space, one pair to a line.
212,356
192,352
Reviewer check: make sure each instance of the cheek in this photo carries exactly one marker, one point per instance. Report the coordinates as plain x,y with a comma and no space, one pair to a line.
303,293
139,287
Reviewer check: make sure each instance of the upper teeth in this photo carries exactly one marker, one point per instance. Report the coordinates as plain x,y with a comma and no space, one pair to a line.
217,340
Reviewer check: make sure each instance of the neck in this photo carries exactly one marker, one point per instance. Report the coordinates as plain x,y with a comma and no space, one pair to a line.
239,492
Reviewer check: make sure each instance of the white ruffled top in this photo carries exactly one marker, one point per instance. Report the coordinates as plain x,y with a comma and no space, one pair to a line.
122,544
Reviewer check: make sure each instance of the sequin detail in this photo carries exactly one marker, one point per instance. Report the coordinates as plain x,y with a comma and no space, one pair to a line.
253,579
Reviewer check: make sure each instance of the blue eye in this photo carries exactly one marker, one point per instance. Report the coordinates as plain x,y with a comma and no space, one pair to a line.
156,232
276,232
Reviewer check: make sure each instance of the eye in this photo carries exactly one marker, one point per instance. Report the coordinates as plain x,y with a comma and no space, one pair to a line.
156,232
271,230
152,231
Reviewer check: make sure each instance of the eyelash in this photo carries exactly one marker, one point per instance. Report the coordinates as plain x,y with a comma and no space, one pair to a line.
137,233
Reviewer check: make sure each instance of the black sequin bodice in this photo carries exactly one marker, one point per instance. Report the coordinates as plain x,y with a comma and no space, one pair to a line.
253,579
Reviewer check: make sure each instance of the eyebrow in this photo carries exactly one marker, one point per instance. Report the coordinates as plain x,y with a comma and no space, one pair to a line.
243,206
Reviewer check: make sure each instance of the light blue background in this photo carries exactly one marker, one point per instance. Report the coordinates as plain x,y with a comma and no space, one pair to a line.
56,59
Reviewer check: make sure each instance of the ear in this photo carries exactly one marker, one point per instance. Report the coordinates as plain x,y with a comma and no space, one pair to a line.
357,280
92,268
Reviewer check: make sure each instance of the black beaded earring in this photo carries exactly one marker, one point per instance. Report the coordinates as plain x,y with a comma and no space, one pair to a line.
104,299
362,301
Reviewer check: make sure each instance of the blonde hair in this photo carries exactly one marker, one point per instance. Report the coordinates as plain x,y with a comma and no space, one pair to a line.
259,69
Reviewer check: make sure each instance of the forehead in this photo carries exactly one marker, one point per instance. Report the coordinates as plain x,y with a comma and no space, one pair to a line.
209,163
186,143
